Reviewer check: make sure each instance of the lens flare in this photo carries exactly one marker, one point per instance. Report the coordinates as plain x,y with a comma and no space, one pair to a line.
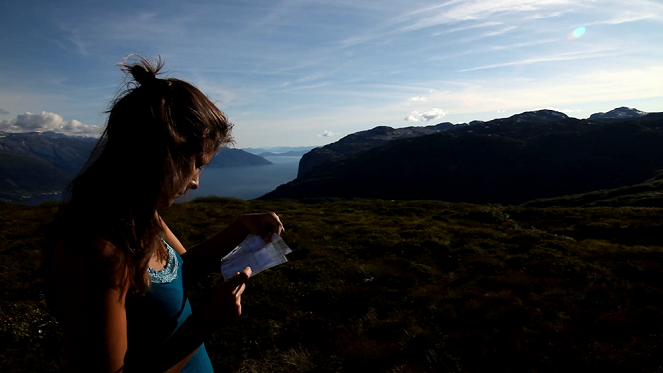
578,32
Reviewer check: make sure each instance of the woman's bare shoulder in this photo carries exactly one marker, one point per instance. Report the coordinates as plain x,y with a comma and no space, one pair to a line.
82,262
89,248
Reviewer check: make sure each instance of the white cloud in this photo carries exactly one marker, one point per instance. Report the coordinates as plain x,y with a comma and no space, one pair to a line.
418,98
426,116
328,134
46,121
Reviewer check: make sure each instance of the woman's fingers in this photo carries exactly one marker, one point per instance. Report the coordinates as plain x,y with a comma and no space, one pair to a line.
275,226
228,297
263,224
239,277
247,271
239,290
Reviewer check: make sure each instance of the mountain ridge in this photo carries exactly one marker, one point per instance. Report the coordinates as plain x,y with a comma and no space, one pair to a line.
540,154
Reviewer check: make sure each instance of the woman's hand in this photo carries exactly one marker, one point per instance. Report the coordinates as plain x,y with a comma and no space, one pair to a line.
225,305
204,257
263,224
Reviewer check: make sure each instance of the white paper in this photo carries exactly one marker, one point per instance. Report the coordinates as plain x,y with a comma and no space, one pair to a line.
254,252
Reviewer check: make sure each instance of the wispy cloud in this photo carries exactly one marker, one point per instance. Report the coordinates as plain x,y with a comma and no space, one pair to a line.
489,34
625,18
499,32
479,10
548,15
72,40
4,112
474,13
466,27
311,77
524,44
558,57
418,98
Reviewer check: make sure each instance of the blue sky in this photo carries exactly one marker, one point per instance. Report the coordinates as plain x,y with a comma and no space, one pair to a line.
299,72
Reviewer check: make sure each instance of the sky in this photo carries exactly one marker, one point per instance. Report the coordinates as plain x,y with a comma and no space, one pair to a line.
308,72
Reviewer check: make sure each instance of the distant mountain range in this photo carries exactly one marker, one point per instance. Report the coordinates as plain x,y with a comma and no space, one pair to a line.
231,157
541,157
532,155
279,150
35,164
292,153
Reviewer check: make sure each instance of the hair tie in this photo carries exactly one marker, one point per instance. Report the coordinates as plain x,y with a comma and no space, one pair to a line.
142,76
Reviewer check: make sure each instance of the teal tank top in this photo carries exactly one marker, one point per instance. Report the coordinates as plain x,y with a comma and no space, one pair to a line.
153,318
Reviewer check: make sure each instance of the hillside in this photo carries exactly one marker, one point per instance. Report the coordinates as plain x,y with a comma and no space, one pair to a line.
647,194
528,156
65,152
400,286
23,175
34,164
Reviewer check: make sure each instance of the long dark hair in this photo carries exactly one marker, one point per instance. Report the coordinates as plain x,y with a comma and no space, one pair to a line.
157,129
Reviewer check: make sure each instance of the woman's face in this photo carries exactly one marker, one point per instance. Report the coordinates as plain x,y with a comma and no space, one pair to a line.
190,180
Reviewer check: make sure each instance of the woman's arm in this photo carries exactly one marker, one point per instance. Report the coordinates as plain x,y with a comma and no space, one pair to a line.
92,312
223,307
90,306
205,257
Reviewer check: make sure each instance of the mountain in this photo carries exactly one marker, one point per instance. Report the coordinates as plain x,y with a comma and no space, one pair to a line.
618,113
231,157
279,149
25,175
362,141
292,153
533,117
33,164
66,152
540,154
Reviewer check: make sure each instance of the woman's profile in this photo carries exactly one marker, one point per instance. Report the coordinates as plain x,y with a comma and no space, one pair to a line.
117,276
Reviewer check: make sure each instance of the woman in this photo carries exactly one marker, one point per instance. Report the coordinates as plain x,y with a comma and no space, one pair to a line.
117,275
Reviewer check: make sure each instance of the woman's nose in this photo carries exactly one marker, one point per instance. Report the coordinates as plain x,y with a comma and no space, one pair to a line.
195,180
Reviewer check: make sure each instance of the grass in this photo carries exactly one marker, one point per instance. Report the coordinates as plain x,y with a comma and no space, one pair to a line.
402,286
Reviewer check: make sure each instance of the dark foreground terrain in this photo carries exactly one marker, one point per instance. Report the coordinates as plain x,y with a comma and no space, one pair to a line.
402,286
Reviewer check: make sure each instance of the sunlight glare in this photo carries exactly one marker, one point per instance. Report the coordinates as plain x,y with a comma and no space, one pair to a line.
578,32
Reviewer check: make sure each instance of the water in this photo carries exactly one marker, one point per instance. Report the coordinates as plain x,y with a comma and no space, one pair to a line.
245,182
237,182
